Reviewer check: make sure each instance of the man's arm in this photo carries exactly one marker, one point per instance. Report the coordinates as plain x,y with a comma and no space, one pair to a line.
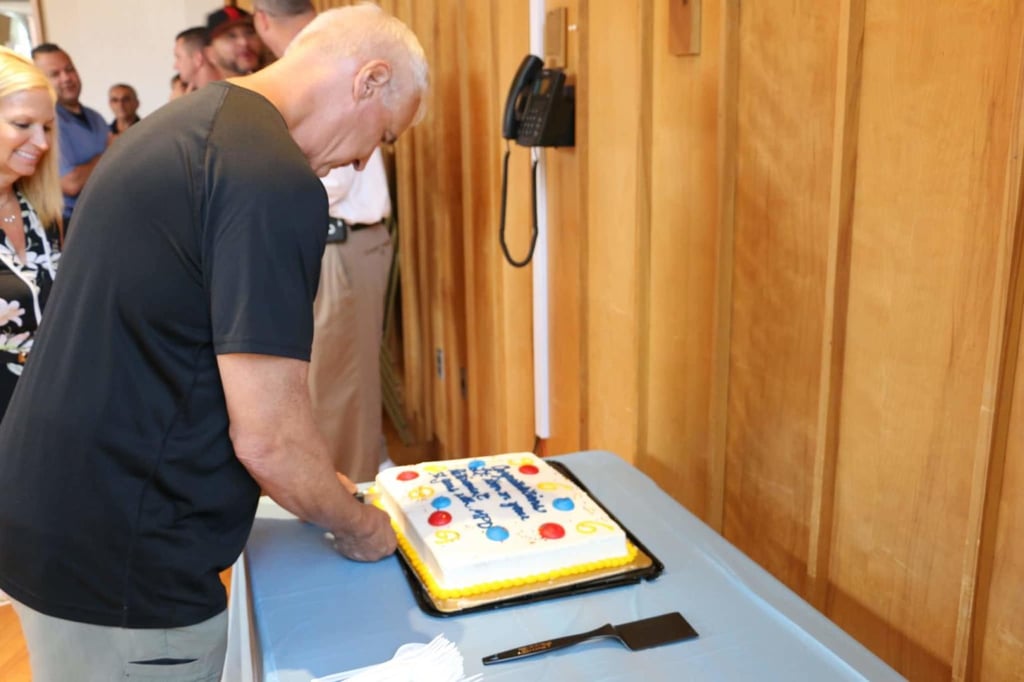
276,439
72,182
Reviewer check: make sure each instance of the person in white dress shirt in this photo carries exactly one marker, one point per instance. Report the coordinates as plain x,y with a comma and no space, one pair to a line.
344,369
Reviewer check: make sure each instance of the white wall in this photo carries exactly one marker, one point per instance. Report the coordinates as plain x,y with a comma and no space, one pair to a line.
122,41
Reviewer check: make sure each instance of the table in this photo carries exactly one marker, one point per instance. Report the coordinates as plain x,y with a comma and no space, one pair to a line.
305,612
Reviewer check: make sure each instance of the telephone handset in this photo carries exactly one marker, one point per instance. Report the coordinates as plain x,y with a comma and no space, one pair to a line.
515,104
540,111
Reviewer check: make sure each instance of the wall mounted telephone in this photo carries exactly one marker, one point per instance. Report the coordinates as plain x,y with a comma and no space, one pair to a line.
540,111
539,108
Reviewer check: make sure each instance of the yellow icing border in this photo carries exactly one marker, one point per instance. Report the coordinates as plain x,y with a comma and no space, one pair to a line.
439,592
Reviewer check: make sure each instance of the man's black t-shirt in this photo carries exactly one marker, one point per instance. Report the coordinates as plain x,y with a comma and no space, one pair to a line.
200,233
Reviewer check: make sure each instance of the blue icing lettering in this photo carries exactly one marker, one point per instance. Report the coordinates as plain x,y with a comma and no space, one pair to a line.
497,533
517,509
500,477
495,485
478,481
483,519
526,491
463,478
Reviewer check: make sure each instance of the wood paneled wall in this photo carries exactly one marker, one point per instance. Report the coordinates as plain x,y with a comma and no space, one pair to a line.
786,283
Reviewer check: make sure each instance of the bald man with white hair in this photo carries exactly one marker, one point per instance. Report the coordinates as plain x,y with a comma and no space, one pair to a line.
188,286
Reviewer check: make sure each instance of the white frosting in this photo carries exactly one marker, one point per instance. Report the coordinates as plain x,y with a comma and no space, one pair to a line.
509,517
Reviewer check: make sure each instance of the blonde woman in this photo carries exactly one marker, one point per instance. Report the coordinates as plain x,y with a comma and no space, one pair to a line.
30,210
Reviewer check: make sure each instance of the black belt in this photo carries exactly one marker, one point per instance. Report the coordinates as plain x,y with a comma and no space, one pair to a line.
338,229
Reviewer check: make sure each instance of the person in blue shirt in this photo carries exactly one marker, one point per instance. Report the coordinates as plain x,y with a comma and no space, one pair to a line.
83,134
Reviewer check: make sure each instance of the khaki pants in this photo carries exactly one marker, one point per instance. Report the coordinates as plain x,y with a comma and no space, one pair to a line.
62,650
344,368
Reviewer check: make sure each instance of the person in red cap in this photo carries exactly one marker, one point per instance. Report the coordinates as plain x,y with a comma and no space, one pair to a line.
235,48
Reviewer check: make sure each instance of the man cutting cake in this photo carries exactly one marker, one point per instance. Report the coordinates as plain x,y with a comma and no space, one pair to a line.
168,384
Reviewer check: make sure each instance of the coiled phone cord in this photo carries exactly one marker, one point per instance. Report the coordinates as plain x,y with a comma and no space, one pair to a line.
504,199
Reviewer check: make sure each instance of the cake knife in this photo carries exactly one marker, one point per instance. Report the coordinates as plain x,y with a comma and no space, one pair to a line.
636,635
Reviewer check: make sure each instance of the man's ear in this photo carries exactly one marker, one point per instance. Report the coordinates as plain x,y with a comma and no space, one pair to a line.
371,78
260,21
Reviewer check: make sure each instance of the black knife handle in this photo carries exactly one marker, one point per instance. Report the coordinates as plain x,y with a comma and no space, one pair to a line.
606,630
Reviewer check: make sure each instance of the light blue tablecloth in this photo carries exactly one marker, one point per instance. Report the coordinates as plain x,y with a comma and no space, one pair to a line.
314,613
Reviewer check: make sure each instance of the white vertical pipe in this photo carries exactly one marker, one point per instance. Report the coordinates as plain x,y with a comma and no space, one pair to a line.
541,369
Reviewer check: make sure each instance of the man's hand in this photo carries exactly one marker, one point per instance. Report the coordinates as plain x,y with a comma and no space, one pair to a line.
276,440
370,538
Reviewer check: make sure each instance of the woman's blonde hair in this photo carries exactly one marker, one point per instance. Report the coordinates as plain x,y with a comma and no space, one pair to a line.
42,188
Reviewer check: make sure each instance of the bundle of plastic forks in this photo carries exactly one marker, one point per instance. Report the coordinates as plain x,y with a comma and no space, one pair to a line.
438,661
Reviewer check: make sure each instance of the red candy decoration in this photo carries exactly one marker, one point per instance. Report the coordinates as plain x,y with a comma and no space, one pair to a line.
440,518
551,531
528,469
407,475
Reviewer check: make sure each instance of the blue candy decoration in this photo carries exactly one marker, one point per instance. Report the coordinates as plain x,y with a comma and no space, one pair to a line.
497,533
476,464
441,502
563,504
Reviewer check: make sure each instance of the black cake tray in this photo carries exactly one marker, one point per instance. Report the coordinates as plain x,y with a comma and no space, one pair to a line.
645,566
